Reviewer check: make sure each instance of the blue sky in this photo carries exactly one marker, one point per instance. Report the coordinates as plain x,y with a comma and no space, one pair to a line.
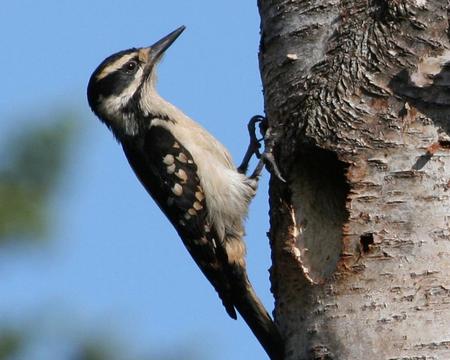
114,263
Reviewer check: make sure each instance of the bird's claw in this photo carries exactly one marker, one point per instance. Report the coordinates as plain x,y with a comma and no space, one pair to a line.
268,160
265,158
255,143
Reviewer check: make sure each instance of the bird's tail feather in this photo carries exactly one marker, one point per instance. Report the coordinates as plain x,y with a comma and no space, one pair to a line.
257,318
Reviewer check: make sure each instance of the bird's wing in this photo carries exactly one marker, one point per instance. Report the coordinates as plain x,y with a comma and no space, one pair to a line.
167,171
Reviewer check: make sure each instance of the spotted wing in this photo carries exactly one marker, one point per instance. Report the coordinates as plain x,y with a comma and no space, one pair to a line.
169,174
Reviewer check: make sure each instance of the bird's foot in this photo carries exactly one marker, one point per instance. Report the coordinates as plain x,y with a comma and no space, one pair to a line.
254,145
265,158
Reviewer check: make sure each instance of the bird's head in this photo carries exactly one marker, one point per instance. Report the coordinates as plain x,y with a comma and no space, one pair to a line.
121,87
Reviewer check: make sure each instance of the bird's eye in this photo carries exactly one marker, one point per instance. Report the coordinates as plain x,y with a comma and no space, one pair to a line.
130,67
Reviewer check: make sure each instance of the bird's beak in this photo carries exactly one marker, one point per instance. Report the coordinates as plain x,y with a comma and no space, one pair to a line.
158,48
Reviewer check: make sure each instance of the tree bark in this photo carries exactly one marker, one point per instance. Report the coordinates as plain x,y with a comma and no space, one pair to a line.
358,101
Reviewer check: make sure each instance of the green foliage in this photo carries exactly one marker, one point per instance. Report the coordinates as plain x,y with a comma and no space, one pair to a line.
101,350
91,351
10,343
31,169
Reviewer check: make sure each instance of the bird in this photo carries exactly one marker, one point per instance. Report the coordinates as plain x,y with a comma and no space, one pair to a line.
189,174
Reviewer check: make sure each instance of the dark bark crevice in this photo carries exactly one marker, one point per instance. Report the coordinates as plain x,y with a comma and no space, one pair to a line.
427,88
366,241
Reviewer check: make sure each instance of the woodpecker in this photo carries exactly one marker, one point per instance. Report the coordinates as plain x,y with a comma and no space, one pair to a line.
188,173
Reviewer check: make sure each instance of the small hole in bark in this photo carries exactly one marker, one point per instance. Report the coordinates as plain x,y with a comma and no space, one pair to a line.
366,240
422,161
379,9
444,144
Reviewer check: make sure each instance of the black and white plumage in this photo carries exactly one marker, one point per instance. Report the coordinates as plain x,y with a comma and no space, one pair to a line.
188,173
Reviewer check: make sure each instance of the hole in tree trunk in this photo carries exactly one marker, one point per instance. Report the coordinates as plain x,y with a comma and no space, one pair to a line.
444,144
366,240
319,193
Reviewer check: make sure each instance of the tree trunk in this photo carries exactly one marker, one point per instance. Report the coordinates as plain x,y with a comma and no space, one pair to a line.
358,101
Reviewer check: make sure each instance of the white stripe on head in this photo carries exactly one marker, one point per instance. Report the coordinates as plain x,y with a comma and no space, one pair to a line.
116,65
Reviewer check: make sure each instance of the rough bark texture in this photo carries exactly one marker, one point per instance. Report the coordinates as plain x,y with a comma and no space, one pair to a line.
357,96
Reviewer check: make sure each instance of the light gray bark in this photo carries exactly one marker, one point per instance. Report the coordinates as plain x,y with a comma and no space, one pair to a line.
358,96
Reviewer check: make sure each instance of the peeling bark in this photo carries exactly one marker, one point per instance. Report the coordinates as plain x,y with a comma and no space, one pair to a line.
357,94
